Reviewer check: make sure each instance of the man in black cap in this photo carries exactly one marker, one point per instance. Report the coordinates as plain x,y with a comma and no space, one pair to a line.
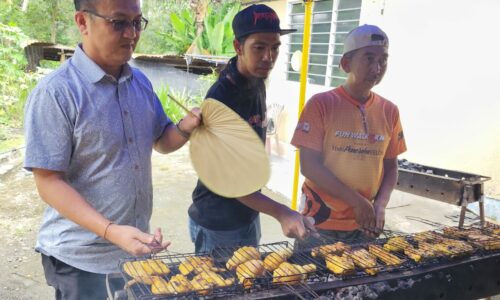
216,221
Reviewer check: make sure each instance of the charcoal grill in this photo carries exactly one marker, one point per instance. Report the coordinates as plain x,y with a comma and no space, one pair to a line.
469,275
444,185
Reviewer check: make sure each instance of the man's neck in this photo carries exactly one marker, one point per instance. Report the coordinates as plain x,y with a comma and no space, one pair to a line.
360,95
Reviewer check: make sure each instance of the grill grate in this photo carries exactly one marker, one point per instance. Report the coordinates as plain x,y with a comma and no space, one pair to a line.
169,276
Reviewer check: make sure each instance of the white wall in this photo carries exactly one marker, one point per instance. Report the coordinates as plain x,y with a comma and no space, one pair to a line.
443,74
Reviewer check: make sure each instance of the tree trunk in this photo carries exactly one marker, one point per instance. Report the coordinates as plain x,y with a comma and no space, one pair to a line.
53,27
24,7
200,9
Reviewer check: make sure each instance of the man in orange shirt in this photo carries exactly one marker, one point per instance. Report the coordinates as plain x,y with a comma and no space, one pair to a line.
349,140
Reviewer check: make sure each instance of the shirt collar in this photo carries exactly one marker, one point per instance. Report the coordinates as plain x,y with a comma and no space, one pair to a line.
354,101
92,71
234,75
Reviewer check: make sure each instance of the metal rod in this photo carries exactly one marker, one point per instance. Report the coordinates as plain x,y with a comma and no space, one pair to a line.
481,211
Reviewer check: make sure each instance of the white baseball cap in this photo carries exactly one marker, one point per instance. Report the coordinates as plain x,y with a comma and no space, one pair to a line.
364,36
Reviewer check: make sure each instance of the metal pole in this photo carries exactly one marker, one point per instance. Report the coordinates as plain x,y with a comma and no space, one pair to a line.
303,81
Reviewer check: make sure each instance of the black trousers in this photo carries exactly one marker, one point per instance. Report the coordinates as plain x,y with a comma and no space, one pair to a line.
71,283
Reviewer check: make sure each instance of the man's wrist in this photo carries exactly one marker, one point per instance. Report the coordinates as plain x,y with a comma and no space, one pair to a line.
182,132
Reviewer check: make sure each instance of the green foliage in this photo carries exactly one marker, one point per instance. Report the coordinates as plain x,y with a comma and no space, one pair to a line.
179,32
182,33
44,20
153,40
217,37
15,84
172,109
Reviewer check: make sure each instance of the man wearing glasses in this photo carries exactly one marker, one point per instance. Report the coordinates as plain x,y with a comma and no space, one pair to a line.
90,128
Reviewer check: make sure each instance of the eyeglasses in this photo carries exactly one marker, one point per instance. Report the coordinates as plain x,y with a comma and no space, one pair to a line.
120,25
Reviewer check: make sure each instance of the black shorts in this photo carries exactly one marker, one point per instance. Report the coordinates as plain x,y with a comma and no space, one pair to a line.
71,283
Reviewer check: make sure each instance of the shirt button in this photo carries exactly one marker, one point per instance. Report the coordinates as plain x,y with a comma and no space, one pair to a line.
136,167
125,113
130,140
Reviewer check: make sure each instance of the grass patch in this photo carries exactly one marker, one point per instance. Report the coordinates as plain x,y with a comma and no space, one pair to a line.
10,140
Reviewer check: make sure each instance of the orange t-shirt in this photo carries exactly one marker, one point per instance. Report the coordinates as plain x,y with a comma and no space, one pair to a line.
355,139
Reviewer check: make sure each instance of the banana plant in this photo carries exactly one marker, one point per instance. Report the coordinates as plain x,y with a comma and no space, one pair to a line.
217,37
183,31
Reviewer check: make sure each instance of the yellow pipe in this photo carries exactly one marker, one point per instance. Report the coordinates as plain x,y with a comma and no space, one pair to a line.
302,95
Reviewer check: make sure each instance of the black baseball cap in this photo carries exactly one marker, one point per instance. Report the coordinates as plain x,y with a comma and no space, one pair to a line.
257,18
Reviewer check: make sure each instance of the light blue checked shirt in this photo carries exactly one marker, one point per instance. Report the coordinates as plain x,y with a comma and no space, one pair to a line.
100,132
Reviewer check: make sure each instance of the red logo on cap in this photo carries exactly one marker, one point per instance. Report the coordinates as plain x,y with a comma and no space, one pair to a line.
270,16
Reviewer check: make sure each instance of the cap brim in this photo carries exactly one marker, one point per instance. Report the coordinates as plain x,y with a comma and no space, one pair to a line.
287,31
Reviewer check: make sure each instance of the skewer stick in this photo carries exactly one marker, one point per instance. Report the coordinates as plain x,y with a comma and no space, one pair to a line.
182,106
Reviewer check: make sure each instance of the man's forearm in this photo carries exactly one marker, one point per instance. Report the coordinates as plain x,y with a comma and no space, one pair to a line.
170,140
68,202
261,203
388,182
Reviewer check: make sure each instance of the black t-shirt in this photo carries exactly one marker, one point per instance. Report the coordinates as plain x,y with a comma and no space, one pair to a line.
248,99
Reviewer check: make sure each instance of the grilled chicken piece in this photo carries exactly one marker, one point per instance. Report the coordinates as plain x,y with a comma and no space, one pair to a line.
215,279
178,284
427,236
198,264
364,260
206,280
134,269
147,267
388,258
417,255
201,285
485,241
339,265
288,273
453,248
337,249
491,244
428,249
141,271
242,255
396,244
155,267
274,259
248,271
457,233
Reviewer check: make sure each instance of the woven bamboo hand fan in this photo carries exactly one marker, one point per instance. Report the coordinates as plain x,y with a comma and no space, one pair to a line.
227,154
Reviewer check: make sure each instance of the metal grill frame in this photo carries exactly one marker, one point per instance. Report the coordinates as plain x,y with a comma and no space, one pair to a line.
320,277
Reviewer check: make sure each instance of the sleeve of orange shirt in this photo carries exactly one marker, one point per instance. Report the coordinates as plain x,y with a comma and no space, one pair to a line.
310,130
397,144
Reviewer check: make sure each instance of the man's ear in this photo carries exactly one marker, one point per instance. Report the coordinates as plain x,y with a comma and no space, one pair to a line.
345,64
81,22
237,47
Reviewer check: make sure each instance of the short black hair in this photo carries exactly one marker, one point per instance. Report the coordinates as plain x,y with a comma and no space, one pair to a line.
84,4
242,39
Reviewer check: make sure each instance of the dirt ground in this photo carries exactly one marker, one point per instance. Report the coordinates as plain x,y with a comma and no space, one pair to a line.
21,212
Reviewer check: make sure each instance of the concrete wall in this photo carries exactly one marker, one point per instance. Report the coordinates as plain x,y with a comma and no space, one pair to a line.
443,75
